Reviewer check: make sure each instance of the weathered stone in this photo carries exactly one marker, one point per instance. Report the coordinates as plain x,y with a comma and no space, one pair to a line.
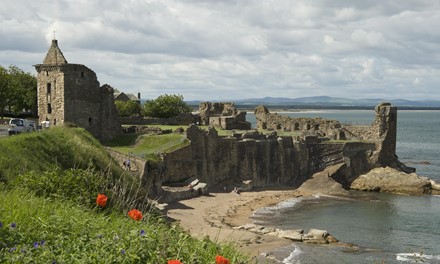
316,236
201,188
391,180
294,235
224,115
71,93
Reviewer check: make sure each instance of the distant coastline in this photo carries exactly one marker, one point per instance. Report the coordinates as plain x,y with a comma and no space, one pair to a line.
327,107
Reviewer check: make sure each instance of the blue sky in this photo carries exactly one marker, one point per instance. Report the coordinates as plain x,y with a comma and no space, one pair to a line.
226,50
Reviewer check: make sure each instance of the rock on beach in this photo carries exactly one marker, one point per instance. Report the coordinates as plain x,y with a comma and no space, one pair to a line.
391,180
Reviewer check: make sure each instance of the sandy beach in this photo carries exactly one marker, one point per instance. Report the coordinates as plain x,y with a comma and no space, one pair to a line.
215,216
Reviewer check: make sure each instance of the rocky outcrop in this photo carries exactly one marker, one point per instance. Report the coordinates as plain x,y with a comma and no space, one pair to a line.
314,236
391,180
324,183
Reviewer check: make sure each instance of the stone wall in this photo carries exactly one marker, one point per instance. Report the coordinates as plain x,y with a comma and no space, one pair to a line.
71,93
181,119
311,126
223,115
271,159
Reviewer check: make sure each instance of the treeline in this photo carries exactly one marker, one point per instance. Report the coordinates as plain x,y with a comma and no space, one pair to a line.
18,91
164,106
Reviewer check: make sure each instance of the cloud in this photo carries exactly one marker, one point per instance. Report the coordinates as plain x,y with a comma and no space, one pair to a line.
228,49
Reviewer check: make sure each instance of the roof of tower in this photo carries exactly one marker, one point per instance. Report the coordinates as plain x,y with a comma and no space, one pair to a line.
54,55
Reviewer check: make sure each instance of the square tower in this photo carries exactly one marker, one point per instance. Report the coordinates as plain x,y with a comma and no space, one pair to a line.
71,93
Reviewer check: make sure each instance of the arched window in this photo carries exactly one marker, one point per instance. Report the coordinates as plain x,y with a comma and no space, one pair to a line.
90,121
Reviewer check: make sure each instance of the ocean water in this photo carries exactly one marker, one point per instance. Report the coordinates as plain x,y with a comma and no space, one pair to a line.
388,228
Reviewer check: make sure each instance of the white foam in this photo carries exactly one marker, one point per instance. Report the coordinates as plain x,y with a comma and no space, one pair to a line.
418,257
294,257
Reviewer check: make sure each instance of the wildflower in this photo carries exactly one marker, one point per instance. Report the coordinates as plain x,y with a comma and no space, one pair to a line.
174,261
1,224
35,244
13,225
122,251
101,200
12,249
221,260
54,262
135,215
142,232
42,242
23,250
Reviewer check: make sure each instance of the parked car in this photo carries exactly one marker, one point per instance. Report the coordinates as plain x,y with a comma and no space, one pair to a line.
19,125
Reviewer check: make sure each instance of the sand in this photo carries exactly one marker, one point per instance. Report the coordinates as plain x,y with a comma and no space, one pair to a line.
215,216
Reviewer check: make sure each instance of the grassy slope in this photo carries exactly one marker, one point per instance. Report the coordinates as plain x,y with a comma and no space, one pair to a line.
66,148
40,201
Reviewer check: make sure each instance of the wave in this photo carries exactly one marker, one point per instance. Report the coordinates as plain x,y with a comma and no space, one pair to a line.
294,257
417,257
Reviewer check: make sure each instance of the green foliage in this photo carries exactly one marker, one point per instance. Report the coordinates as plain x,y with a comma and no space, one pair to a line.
54,230
151,144
48,190
128,108
60,146
18,90
166,106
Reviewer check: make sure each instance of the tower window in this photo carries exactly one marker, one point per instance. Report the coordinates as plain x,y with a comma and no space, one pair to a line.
82,74
90,121
49,108
49,88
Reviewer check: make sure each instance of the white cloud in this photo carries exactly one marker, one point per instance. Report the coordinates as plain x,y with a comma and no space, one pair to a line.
228,49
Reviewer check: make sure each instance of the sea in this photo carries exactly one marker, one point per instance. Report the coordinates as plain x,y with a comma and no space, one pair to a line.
387,228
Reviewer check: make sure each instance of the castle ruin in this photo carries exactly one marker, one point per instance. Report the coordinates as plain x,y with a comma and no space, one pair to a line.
71,93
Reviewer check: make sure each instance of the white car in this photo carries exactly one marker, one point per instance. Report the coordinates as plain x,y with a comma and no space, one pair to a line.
19,125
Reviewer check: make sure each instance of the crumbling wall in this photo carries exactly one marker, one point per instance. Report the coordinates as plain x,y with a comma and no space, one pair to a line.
222,160
310,126
223,115
271,159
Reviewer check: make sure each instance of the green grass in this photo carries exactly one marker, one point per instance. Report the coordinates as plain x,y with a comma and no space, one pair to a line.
48,187
60,146
57,230
151,144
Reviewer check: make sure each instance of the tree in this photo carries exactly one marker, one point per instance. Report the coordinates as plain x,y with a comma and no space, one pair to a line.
128,108
166,106
24,89
18,91
5,91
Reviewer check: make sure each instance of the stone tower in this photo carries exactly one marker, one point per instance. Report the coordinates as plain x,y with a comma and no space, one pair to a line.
71,93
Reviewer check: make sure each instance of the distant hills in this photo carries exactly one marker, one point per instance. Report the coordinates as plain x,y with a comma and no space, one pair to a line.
330,102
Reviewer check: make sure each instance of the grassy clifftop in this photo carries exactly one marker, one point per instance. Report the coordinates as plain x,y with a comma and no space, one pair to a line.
59,146
49,211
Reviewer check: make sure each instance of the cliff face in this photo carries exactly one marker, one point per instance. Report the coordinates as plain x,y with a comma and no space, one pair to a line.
271,159
219,160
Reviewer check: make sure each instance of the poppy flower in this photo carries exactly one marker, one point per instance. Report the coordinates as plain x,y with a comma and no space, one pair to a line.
101,200
174,261
135,214
221,260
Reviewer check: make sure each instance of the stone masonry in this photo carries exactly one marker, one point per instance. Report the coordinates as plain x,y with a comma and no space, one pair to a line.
223,115
271,159
71,93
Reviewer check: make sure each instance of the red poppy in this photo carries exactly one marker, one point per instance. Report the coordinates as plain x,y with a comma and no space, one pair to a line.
174,261
135,214
101,200
221,260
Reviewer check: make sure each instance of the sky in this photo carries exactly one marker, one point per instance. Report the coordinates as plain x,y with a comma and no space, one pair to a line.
236,49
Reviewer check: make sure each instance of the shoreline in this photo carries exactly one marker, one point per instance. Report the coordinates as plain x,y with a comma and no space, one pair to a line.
216,214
